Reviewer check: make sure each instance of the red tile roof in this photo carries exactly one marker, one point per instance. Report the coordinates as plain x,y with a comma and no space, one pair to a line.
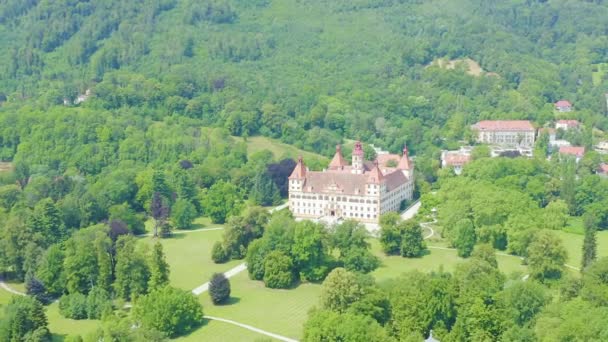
578,151
383,159
405,163
569,123
563,103
375,176
456,158
504,125
299,172
338,162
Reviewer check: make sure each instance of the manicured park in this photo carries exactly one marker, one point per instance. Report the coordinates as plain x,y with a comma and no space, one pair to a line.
281,312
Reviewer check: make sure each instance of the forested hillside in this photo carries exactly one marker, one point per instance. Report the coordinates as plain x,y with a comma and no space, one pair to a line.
308,72
122,118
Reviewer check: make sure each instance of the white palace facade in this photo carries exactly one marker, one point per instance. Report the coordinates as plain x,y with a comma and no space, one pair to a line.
361,191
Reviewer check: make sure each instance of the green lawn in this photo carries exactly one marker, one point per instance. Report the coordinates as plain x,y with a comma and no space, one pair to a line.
282,312
61,327
15,285
393,266
278,149
596,76
189,255
5,297
214,331
574,244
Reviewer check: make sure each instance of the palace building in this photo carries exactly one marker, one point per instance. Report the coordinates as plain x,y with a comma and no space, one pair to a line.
361,191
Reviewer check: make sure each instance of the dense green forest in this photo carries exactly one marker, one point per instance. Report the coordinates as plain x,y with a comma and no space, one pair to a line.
309,72
117,113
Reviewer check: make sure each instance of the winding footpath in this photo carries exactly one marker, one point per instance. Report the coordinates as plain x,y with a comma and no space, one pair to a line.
229,274
254,329
9,289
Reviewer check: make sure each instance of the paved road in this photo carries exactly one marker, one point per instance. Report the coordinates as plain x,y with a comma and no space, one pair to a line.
249,327
238,269
230,273
411,211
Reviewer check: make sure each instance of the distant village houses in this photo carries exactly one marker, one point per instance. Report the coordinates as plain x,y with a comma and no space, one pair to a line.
563,106
506,133
455,159
362,190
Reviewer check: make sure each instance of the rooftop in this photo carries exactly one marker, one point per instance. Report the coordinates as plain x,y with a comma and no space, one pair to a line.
504,125
571,123
578,151
453,158
563,103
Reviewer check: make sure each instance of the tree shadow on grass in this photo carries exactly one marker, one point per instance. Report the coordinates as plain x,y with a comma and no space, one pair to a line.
174,236
230,301
424,253
194,226
58,337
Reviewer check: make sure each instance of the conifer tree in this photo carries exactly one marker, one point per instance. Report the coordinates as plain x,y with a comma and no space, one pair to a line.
219,288
264,191
159,268
589,242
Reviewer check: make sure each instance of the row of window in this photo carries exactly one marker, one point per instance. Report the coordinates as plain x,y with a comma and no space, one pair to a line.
337,199
303,211
297,204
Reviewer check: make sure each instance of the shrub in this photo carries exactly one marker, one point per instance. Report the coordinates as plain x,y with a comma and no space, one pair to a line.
219,288
218,254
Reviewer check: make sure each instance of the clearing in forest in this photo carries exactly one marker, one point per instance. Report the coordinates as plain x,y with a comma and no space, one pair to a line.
473,68
6,166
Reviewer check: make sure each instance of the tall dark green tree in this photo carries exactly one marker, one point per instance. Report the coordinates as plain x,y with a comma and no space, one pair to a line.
465,238
264,191
23,317
589,242
132,271
159,268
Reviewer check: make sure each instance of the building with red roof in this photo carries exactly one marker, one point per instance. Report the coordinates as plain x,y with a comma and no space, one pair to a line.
505,132
563,106
567,124
361,190
455,159
576,151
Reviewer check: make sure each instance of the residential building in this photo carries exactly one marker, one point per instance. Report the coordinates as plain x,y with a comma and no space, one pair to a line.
361,190
576,151
455,159
507,133
563,106
567,124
